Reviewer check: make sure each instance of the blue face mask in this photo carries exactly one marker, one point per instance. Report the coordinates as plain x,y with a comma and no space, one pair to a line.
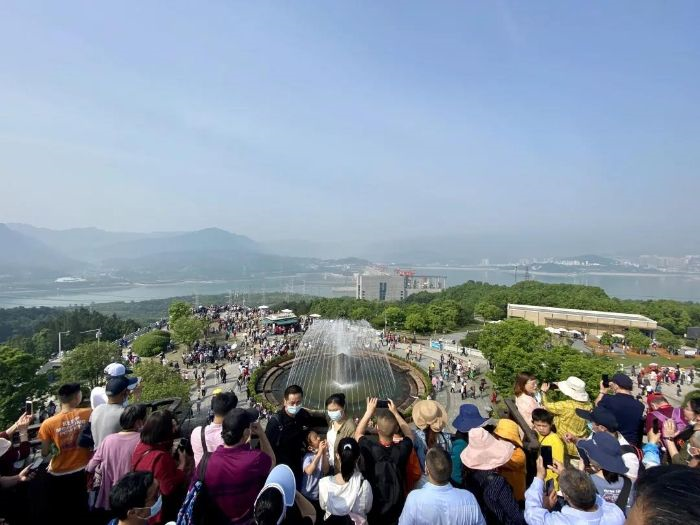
292,410
155,509
590,426
335,415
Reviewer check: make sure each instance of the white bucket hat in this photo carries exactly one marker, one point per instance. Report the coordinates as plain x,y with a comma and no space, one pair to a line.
574,388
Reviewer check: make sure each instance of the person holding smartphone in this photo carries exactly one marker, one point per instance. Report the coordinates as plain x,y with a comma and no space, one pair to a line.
551,445
9,455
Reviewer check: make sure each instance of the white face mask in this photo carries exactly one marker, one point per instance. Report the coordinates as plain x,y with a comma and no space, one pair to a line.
292,410
334,415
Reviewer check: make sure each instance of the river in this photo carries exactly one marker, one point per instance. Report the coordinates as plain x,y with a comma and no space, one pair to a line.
624,286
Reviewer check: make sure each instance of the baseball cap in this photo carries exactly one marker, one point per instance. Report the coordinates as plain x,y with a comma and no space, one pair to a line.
116,369
116,385
623,381
119,370
599,416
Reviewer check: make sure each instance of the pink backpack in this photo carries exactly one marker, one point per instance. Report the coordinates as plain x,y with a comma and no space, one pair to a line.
676,416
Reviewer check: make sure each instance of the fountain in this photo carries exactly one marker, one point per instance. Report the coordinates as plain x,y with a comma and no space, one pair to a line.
341,356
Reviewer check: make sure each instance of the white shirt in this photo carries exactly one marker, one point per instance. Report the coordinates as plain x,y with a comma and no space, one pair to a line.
441,505
331,436
536,514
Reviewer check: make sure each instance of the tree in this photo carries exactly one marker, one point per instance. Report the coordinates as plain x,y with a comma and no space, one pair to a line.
86,362
159,382
488,311
471,340
187,330
360,312
178,310
416,322
394,317
636,339
606,339
668,340
19,381
152,343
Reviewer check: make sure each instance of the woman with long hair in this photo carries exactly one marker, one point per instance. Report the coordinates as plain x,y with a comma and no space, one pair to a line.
525,389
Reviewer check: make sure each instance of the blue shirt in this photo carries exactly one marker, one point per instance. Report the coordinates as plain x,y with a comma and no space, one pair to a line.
441,505
536,514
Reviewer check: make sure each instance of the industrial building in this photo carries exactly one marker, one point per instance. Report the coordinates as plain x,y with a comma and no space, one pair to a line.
589,322
384,286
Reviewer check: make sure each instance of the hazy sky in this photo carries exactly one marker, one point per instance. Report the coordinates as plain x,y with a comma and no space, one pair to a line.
323,119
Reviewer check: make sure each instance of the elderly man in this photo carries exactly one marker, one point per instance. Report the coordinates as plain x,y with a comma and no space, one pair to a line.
583,504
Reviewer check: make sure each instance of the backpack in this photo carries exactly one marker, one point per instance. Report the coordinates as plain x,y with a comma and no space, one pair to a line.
199,508
388,485
675,415
626,449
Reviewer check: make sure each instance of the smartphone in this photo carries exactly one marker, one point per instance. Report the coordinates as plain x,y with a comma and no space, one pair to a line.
655,425
29,408
549,486
546,455
254,442
382,403
606,380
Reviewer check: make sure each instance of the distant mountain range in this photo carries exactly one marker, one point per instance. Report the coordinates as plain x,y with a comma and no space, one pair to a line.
27,252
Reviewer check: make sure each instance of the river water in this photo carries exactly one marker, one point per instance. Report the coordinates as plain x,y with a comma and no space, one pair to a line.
679,287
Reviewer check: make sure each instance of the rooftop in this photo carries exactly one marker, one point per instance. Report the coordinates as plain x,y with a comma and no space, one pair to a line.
573,311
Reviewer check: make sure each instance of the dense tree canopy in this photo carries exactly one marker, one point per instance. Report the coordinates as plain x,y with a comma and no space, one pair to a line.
18,382
178,310
188,329
160,382
86,362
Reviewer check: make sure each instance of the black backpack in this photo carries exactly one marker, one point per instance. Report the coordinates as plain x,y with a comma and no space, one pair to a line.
386,481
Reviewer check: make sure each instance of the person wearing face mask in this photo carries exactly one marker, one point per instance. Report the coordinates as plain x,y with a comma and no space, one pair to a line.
135,499
154,454
104,420
286,431
112,459
341,426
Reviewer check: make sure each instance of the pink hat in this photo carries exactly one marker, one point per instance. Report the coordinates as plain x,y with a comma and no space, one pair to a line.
485,452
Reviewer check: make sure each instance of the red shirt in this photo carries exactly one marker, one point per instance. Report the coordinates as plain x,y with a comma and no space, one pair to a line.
171,480
234,477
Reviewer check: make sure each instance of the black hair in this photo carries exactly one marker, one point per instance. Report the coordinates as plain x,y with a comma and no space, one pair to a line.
693,404
223,403
338,399
131,414
291,390
158,428
667,495
232,428
349,452
130,492
268,507
440,464
542,416
67,391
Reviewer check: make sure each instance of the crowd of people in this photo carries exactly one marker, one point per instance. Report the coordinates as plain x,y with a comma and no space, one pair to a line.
599,461
561,457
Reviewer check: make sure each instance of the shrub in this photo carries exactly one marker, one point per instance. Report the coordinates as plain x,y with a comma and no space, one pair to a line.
151,344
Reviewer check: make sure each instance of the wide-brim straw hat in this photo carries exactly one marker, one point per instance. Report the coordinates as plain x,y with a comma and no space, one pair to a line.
485,452
429,413
574,388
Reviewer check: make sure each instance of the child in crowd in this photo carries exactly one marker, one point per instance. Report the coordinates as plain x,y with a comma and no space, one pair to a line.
315,466
543,424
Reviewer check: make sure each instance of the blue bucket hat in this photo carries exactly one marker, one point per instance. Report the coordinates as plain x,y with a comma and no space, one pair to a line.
605,450
468,418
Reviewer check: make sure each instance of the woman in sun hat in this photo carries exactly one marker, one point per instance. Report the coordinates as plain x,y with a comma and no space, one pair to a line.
468,418
430,420
607,468
566,420
481,459
514,470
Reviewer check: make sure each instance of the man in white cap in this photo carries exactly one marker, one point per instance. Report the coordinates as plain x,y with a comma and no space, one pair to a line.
98,396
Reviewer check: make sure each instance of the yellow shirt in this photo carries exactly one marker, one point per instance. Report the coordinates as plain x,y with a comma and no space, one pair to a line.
558,453
566,420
